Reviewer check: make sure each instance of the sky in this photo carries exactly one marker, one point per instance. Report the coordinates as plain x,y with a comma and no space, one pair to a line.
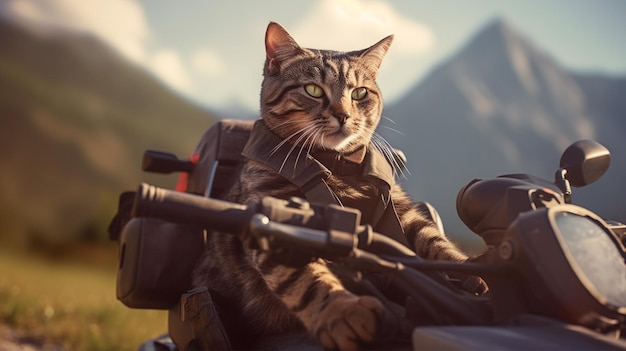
212,52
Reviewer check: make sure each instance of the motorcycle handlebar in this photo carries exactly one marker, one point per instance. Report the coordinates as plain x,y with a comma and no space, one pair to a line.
238,219
179,207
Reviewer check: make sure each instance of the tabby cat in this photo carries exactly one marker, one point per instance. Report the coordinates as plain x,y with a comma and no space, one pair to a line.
315,100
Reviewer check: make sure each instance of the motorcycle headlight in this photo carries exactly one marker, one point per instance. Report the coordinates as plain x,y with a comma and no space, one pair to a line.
573,265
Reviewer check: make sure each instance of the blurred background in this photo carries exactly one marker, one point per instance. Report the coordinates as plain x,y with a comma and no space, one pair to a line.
472,90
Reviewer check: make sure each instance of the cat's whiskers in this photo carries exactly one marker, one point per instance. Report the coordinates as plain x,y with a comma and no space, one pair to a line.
335,196
302,134
285,140
393,130
311,141
284,123
389,128
279,145
388,119
397,164
317,134
311,133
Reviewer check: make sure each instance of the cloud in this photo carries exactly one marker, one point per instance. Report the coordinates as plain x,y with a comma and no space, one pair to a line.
168,66
120,23
357,24
208,63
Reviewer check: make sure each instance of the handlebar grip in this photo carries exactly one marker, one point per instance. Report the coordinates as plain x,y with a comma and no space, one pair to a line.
179,207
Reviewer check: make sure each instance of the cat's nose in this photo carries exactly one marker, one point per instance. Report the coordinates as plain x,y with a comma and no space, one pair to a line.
341,116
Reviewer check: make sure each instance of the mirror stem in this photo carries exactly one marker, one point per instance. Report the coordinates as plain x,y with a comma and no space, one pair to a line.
561,181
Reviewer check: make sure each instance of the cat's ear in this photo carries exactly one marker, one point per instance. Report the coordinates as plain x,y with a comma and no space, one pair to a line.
373,56
279,46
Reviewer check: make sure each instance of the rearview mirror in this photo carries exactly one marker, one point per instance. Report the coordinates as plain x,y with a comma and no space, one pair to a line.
164,163
585,162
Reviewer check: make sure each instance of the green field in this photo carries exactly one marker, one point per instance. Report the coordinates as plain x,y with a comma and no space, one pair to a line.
71,305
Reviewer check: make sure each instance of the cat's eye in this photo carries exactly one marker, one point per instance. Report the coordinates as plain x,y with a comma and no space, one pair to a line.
314,90
359,93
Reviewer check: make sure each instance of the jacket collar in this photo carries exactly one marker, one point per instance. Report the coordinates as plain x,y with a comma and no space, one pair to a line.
263,146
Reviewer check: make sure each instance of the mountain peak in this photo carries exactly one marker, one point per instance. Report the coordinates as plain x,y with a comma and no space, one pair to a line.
496,35
498,24
501,57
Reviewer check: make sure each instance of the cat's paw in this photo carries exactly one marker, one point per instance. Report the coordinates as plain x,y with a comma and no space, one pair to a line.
474,285
348,320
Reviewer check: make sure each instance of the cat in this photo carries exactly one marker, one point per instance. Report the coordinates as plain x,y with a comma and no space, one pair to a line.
317,100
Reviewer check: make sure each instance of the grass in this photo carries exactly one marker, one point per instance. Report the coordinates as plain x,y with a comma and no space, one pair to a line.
71,305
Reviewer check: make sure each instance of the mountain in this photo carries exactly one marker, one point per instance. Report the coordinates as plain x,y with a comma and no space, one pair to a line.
75,118
502,105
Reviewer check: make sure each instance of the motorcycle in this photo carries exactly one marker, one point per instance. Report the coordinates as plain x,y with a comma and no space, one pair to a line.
556,271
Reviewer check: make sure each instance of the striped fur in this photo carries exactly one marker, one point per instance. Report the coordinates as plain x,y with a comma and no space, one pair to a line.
270,298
